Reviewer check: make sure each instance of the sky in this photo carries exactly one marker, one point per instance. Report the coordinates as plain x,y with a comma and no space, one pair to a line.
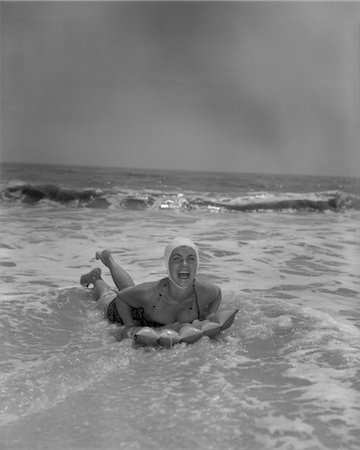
267,87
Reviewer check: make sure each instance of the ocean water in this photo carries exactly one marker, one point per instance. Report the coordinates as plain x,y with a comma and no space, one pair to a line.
283,249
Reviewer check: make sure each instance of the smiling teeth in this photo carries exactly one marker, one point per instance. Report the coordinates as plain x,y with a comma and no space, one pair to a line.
183,275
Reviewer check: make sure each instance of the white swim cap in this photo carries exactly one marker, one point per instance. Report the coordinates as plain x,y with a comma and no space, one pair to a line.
180,242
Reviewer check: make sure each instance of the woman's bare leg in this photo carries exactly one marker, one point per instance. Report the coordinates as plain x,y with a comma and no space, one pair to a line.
121,278
94,277
104,294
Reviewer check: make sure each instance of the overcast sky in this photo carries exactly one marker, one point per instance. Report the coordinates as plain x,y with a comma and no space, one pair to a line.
239,86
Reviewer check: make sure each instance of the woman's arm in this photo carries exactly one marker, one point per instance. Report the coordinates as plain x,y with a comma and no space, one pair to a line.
131,297
125,313
213,306
209,298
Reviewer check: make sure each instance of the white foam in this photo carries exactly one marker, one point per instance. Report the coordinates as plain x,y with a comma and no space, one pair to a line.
298,347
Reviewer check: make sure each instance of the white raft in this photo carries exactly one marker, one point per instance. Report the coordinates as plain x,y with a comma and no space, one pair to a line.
188,333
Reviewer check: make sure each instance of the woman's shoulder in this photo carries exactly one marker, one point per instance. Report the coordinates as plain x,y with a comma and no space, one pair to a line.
209,290
142,290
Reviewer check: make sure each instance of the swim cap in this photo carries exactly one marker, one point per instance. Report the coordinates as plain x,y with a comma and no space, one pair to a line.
179,242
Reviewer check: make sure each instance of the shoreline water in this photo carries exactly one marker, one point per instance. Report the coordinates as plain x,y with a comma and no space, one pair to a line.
280,377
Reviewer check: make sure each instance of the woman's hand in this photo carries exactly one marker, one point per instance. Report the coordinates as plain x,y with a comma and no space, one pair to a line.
131,330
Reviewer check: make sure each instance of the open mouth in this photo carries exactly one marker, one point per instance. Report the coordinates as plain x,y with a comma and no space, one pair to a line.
184,275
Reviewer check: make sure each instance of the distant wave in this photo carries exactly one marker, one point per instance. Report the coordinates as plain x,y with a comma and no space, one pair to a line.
32,194
29,193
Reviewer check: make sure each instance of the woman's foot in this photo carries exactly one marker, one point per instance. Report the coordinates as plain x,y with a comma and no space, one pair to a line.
90,277
104,256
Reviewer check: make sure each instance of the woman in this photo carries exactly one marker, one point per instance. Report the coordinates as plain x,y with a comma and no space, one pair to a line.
176,298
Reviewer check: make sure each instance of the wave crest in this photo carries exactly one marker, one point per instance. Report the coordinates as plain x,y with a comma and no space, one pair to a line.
33,194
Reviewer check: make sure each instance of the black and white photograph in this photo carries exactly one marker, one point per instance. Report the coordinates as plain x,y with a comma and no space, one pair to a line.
180,225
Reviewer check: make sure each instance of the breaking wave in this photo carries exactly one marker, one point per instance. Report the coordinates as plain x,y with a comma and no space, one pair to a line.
35,194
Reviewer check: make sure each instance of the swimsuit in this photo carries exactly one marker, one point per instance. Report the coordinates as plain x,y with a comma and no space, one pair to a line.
113,315
163,284
107,303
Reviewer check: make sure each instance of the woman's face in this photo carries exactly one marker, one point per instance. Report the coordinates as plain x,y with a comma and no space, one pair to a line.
183,265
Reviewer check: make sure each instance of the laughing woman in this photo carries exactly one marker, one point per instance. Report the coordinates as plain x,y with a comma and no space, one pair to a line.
176,298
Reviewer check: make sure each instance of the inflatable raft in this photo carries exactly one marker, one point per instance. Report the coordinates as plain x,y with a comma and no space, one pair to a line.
188,333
